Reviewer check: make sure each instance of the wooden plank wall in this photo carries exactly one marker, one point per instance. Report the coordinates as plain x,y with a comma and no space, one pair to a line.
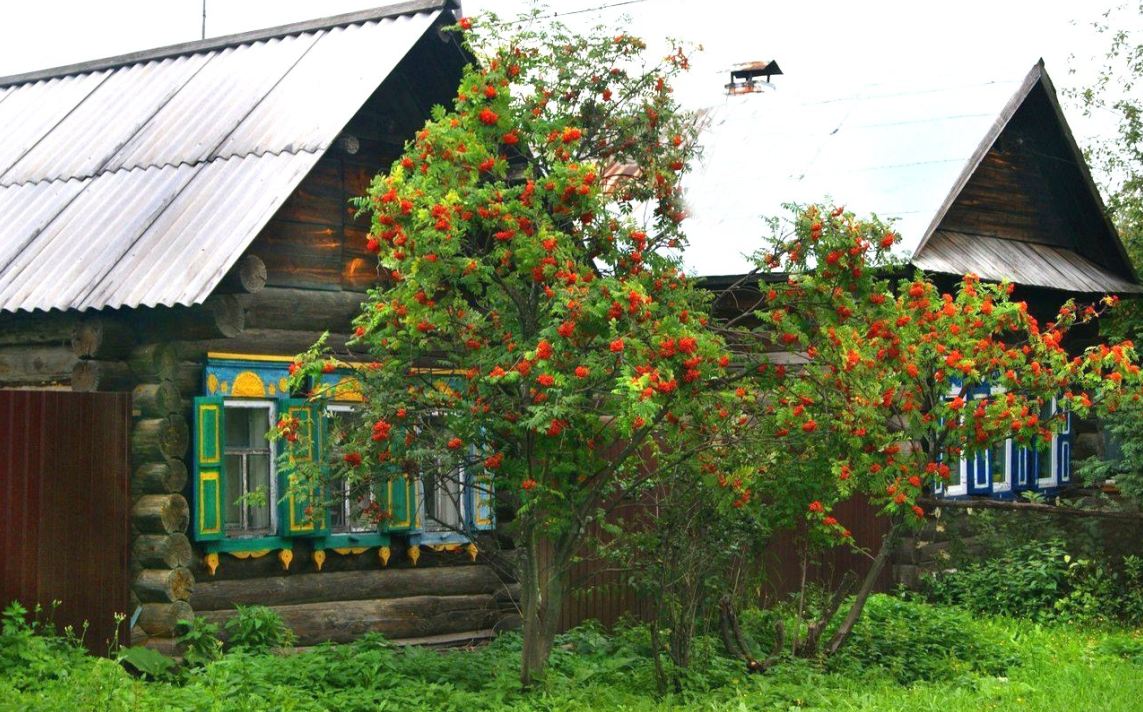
64,502
597,591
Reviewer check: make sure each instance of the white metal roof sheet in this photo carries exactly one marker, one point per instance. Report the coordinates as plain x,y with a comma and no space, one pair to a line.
139,182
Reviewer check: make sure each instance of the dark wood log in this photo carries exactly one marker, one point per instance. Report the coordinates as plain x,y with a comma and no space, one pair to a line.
411,617
930,503
31,329
90,376
159,619
161,514
102,338
302,309
163,585
159,439
156,400
155,362
274,342
162,551
36,365
188,379
346,586
248,275
166,477
220,316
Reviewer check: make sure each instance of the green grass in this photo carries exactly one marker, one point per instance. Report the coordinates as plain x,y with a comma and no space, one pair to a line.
905,656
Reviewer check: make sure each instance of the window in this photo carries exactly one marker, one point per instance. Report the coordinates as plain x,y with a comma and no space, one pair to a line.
1008,467
251,496
250,488
348,503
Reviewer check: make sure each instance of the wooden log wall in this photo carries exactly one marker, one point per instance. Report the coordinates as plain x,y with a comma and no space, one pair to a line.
445,597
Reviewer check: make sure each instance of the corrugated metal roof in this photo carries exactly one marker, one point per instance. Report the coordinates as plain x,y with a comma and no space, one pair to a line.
891,150
903,153
139,182
1028,263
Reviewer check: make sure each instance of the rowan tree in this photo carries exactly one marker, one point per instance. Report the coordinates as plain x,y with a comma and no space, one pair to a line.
886,382
534,329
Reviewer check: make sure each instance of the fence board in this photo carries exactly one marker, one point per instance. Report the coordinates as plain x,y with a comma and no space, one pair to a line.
65,502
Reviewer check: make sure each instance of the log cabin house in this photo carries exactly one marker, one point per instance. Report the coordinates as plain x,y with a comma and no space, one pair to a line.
981,178
174,224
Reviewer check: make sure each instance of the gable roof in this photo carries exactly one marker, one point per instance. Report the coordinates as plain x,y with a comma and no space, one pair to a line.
139,180
903,152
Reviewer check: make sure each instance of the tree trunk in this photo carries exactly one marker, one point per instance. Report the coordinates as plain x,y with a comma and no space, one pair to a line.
863,593
541,596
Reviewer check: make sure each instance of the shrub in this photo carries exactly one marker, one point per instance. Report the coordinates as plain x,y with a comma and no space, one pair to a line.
258,629
198,639
1043,582
914,641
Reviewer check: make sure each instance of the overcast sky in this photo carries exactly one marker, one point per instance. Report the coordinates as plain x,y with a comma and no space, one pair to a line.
823,45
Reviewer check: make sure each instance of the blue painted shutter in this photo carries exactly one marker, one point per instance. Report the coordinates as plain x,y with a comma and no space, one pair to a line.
209,469
301,511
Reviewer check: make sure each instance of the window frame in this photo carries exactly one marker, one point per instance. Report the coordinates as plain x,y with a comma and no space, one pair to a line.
272,451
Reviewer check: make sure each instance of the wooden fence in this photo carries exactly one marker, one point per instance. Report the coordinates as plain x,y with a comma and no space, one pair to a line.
598,591
64,503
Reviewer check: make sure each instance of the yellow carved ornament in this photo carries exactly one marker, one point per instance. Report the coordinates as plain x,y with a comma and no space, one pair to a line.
211,561
248,384
383,554
414,554
472,551
285,556
319,559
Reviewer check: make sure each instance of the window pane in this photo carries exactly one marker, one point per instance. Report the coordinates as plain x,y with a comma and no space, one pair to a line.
1044,457
442,501
954,475
233,491
996,463
246,428
337,505
258,479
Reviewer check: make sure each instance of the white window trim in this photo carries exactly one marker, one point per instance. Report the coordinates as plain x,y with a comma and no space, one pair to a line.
1053,479
272,407
1004,485
346,508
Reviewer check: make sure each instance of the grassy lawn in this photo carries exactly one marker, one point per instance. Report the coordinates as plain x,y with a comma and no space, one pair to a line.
905,656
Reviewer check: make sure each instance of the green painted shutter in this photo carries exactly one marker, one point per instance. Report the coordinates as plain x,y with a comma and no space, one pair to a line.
398,492
301,512
209,469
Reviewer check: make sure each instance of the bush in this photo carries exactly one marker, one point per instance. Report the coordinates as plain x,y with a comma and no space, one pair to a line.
258,629
1043,582
30,652
914,641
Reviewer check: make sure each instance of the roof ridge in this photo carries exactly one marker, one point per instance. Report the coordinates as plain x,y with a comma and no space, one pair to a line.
352,18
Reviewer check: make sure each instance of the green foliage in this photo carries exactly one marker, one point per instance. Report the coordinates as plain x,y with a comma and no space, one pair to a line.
30,652
905,655
199,642
256,629
1041,581
147,661
915,642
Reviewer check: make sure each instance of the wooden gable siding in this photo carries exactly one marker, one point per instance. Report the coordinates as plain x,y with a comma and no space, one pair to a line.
1029,188
315,241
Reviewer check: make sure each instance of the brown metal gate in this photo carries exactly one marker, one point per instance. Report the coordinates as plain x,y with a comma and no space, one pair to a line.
64,507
